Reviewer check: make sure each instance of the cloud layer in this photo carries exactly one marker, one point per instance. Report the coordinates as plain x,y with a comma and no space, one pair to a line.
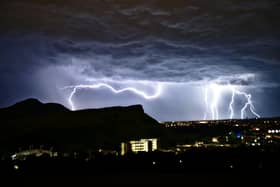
178,41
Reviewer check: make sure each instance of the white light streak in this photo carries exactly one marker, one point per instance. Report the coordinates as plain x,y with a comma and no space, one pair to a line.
248,103
206,103
231,103
216,91
216,97
157,93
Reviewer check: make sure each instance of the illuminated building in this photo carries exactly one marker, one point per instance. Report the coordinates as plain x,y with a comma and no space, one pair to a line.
142,145
124,148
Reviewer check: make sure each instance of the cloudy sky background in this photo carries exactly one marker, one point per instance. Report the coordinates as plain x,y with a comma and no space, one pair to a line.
46,45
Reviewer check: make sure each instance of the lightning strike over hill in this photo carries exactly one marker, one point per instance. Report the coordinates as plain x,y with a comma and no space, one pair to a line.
143,94
216,90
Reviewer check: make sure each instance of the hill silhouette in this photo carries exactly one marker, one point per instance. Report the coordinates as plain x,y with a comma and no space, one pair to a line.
31,122
31,107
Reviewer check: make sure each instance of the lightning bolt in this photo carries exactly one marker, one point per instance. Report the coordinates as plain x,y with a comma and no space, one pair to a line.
216,91
114,90
232,102
214,105
249,103
206,102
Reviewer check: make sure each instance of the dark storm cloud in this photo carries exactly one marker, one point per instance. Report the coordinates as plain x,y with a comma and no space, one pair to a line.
159,40
159,36
158,60
119,21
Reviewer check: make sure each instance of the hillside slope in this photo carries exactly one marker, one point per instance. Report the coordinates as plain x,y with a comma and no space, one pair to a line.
31,122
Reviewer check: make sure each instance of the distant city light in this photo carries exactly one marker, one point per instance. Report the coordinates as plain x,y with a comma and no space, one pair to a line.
215,140
269,131
203,122
16,167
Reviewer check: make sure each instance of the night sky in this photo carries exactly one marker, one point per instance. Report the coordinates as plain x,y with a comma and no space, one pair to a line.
47,47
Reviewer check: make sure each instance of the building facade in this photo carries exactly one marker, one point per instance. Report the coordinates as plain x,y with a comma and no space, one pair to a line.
142,145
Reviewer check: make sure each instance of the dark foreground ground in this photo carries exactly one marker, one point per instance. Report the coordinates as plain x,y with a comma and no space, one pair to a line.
233,167
192,178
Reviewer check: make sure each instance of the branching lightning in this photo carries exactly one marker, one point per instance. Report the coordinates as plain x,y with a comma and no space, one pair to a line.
212,95
206,102
249,104
143,94
216,97
232,102
216,91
